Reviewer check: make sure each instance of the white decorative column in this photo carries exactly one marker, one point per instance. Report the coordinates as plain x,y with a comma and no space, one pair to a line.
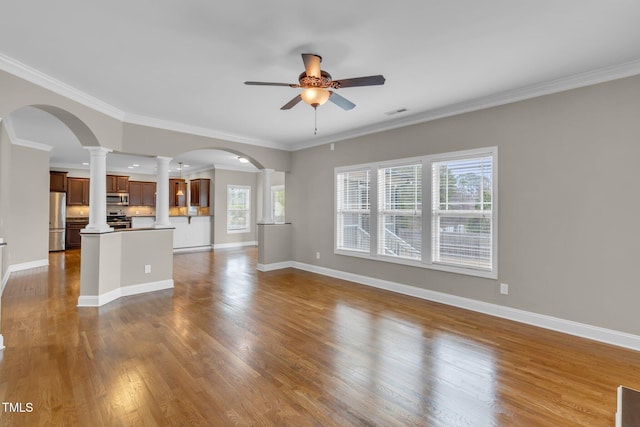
162,193
267,215
98,191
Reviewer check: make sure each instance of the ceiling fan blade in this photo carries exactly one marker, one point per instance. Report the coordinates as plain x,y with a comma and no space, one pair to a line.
341,101
271,84
359,81
311,64
291,103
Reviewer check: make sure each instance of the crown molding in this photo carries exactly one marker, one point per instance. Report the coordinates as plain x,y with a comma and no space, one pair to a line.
41,79
563,84
200,131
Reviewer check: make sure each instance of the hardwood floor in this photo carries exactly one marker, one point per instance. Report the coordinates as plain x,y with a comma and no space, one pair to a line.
233,346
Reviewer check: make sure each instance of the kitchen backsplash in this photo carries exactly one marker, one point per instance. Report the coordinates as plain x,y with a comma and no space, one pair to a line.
83,211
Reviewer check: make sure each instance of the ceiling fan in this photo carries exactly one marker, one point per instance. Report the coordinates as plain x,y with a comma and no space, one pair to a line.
316,85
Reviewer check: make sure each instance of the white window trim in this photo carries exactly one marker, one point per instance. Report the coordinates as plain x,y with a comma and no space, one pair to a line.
426,212
248,228
372,221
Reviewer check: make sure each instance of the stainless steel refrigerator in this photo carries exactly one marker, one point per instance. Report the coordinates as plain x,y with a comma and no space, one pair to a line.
57,220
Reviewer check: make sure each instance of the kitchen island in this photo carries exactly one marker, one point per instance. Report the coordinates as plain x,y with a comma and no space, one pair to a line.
192,232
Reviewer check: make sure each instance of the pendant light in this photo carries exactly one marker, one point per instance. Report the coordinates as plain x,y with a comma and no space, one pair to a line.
180,192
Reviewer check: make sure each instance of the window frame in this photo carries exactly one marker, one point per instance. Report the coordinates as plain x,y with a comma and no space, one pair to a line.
247,228
426,259
337,212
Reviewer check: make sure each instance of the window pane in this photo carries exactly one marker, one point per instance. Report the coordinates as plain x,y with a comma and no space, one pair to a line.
355,231
464,241
277,204
464,184
401,236
462,205
355,190
238,208
400,211
353,204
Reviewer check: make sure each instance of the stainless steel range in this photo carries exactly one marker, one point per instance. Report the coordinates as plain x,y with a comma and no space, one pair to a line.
118,221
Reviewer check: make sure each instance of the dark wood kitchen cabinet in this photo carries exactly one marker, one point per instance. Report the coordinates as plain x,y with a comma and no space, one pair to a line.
77,191
177,186
142,193
200,192
73,237
58,181
117,184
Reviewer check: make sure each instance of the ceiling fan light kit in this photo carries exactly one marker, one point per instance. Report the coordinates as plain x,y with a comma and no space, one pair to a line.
315,96
316,84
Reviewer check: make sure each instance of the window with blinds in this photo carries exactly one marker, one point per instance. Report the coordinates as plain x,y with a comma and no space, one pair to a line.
353,210
400,211
462,212
238,209
380,215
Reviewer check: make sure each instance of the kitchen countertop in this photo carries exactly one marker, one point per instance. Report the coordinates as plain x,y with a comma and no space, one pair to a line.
170,216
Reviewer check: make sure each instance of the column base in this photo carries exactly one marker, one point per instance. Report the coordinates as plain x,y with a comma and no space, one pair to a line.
97,229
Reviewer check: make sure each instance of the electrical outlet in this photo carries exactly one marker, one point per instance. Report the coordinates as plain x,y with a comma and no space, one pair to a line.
147,269
317,255
333,147
504,288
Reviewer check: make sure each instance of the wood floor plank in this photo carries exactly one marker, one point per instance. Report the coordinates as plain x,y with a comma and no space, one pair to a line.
233,346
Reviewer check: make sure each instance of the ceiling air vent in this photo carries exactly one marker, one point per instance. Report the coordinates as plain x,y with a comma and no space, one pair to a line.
399,110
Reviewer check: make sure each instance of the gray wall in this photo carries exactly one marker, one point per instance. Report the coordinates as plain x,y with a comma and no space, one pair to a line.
5,186
568,204
222,179
28,207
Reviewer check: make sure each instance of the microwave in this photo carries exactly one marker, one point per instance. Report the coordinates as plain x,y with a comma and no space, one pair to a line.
118,199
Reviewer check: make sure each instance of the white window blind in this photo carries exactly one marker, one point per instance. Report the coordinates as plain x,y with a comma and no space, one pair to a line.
462,193
353,210
400,211
238,209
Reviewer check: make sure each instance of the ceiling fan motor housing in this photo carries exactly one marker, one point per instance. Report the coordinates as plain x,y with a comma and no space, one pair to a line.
324,81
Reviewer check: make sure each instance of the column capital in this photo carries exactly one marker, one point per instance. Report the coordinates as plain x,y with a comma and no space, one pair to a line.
164,159
95,149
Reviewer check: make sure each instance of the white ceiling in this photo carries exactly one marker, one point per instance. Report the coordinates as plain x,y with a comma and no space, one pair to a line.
182,65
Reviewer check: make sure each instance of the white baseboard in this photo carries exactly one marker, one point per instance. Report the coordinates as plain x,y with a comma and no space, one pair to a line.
100,300
274,266
5,279
19,267
596,333
193,249
88,301
27,265
234,245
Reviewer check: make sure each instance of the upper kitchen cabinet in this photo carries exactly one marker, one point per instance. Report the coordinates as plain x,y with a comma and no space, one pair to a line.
58,181
117,184
77,191
200,192
177,193
142,193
